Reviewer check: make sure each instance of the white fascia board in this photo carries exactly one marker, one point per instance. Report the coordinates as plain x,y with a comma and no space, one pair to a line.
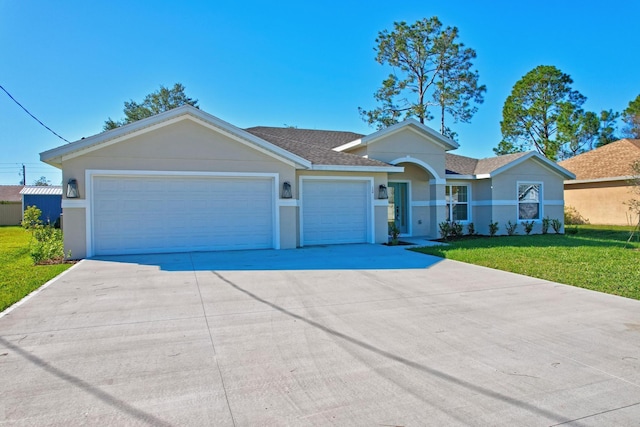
453,176
185,112
553,167
414,125
348,168
348,145
589,181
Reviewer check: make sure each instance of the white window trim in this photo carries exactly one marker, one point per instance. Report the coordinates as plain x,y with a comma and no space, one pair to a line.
90,174
409,206
468,202
370,207
540,200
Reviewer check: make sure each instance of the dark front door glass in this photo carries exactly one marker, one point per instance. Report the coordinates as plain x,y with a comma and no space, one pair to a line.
398,205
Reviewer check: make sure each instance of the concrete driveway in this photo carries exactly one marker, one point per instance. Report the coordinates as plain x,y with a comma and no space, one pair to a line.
346,335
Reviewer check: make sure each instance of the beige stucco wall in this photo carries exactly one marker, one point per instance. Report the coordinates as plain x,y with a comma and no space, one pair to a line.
601,202
505,194
10,213
74,227
181,146
288,227
403,143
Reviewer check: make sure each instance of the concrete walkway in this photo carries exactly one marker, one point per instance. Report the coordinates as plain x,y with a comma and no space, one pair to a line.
342,335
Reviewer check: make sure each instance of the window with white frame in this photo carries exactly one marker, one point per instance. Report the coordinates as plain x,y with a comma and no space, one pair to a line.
529,197
457,197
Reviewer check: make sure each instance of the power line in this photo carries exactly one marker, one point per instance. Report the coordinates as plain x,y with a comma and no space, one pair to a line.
34,117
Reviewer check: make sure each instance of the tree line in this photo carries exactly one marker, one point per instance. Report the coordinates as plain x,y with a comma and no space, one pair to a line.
432,76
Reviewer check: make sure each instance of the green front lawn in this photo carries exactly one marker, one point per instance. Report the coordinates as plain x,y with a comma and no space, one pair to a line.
595,258
18,275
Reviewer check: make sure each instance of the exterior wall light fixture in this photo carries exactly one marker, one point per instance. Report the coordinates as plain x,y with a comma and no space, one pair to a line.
72,189
382,192
286,190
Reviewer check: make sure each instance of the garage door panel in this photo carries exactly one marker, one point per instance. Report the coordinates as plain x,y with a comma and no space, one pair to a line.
335,211
169,214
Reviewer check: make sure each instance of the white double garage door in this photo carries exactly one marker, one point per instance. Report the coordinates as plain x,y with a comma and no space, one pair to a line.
159,214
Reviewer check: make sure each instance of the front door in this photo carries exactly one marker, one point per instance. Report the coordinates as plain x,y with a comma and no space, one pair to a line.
398,205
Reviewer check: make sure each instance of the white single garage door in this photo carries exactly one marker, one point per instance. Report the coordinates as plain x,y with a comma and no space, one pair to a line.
154,214
335,211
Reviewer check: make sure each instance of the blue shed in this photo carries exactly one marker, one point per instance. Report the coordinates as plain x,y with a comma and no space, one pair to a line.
46,198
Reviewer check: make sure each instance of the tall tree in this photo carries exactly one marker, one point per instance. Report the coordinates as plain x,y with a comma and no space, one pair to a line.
430,68
607,133
577,129
631,116
456,84
530,114
164,99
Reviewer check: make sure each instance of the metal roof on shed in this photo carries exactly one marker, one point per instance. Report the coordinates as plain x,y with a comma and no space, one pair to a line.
44,190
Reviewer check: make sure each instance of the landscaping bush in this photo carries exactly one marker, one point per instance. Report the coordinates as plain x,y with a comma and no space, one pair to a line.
394,233
471,229
556,225
545,225
573,217
528,226
46,246
445,229
456,229
493,228
31,218
511,228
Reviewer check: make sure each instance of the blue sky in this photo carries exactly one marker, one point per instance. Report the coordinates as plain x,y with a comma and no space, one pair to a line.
304,64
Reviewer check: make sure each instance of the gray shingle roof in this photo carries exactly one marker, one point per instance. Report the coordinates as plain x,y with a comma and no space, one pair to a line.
461,165
315,145
324,138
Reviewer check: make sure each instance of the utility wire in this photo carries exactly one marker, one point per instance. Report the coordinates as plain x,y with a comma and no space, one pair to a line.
34,117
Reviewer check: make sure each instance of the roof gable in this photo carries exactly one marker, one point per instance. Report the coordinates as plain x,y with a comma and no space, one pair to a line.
492,166
409,124
55,156
609,161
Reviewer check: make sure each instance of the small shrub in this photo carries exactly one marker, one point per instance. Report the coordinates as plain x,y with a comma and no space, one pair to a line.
556,225
528,226
48,245
511,228
31,218
493,228
573,217
456,229
394,233
546,222
445,229
471,229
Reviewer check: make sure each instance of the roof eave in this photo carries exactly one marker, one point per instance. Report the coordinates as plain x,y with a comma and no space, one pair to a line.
595,180
540,158
55,156
357,168
446,143
454,176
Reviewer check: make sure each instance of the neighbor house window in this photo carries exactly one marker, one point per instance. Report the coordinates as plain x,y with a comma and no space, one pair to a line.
457,197
529,196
